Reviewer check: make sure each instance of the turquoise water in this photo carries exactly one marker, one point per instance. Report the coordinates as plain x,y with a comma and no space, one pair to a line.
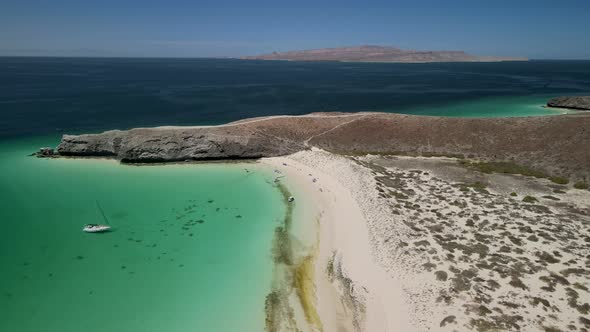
191,249
492,107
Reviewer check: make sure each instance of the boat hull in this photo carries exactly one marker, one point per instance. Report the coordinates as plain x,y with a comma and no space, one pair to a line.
96,229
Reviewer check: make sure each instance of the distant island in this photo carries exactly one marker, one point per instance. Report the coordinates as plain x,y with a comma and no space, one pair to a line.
371,53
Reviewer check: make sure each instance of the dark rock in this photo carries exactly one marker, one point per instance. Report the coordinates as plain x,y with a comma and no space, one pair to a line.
45,152
166,145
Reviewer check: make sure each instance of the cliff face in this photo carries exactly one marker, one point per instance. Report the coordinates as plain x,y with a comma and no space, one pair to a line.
265,137
573,102
555,144
153,145
370,53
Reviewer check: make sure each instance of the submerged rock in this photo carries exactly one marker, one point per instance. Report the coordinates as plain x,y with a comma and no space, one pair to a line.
45,152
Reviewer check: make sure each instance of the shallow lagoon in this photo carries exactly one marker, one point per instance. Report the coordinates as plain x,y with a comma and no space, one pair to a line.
191,247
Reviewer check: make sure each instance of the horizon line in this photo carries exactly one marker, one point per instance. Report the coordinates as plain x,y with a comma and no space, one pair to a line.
240,58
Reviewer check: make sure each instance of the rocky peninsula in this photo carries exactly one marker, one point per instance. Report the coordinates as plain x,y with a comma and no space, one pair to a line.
556,145
571,102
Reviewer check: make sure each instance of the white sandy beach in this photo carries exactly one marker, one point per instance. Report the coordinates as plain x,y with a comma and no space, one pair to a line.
344,238
383,263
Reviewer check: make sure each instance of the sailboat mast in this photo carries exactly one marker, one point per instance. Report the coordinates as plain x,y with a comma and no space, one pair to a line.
102,212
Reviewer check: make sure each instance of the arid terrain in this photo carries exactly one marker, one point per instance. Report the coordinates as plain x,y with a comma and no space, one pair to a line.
463,250
555,145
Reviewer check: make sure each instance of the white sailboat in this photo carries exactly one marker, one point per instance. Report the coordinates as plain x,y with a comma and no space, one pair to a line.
98,228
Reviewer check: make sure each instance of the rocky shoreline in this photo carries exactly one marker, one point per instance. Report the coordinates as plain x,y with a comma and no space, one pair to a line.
572,102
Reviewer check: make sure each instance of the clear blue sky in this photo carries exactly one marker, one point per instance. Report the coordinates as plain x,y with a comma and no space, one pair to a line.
202,28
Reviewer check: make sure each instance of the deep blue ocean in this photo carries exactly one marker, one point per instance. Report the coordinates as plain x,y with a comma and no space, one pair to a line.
51,96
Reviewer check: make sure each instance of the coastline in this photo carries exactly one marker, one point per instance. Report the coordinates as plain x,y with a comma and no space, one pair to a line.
352,292
393,243
418,243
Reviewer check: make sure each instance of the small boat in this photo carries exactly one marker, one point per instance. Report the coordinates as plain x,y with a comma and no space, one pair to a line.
98,228
291,199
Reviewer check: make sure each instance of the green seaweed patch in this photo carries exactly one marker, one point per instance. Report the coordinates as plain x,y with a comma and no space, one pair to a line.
305,289
330,266
277,309
277,306
282,247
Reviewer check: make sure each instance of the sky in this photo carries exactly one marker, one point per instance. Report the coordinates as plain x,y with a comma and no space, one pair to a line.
538,29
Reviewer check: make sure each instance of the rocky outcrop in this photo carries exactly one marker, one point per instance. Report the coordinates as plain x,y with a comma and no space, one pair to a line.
555,144
165,145
571,102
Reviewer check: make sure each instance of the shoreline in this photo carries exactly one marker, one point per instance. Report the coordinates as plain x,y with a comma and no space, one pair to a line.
352,291
417,244
364,256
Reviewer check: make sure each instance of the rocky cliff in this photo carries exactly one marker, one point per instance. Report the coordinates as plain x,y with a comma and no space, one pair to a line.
572,102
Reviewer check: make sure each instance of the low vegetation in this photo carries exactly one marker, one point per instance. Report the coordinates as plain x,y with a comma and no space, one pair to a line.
529,199
503,167
305,289
559,180
581,185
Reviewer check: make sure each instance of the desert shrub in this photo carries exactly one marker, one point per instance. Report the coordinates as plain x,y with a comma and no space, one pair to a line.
559,180
529,199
